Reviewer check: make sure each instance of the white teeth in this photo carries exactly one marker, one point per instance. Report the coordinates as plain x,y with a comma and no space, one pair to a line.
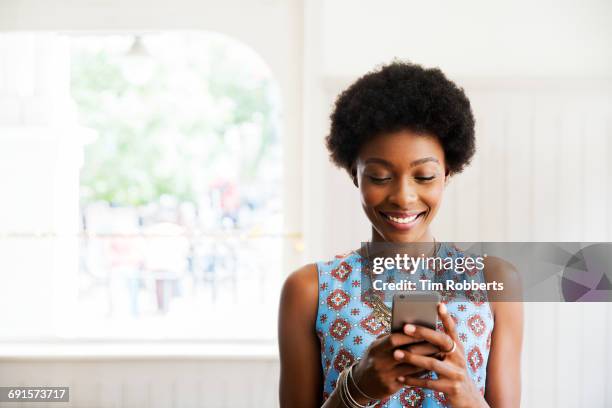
403,220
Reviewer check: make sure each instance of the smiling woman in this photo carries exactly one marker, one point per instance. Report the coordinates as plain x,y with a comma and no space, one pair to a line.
401,132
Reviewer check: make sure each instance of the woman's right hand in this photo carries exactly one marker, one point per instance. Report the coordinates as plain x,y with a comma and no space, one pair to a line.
379,374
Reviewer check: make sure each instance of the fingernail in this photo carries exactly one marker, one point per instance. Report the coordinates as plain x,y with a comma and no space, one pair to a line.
442,308
409,329
398,354
401,378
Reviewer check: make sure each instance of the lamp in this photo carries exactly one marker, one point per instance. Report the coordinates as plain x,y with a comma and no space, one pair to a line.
137,64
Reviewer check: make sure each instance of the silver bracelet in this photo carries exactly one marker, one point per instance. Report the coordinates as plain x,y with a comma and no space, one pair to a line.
345,395
350,374
342,391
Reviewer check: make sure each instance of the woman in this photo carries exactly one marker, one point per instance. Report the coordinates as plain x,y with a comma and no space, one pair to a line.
400,132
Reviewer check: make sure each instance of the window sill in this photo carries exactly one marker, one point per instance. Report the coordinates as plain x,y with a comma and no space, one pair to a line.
156,350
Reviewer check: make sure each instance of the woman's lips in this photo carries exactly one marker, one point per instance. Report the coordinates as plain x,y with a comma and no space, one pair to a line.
402,221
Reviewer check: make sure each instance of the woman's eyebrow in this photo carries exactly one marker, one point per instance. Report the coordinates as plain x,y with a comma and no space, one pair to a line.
424,160
414,163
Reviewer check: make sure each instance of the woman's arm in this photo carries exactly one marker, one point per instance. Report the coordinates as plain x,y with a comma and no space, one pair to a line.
503,387
301,371
300,359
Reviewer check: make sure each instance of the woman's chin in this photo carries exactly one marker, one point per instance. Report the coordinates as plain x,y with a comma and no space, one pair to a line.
401,236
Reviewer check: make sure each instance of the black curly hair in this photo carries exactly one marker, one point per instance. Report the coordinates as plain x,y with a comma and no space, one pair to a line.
397,96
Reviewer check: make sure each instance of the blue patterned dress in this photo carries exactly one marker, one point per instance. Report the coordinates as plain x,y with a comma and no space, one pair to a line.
346,325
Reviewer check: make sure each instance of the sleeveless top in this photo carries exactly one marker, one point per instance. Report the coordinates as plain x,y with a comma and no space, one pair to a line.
346,325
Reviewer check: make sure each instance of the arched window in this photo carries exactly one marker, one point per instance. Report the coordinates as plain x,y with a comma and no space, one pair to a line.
180,190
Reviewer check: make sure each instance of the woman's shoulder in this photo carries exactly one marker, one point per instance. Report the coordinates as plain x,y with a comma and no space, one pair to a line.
299,299
500,270
301,283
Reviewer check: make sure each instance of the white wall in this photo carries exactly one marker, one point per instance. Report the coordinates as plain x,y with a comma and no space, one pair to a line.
539,76
150,383
471,38
513,58
543,149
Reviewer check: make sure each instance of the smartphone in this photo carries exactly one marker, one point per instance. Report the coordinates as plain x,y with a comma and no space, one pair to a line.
419,308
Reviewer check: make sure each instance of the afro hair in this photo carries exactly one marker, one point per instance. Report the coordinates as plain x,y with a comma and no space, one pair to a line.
402,96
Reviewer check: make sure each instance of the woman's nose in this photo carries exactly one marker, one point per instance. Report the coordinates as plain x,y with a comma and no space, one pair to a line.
404,193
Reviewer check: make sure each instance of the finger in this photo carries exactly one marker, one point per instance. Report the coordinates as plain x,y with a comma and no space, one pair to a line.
442,368
423,349
405,370
375,344
437,338
441,385
447,322
396,340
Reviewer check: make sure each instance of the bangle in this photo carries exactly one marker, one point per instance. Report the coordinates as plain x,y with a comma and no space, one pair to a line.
350,375
343,390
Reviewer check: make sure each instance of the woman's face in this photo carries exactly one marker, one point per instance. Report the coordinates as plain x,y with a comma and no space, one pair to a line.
401,177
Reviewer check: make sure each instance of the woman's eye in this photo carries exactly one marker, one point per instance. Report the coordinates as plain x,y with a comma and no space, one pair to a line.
425,178
383,180
379,180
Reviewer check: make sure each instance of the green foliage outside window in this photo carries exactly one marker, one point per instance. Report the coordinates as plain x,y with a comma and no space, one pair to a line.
207,110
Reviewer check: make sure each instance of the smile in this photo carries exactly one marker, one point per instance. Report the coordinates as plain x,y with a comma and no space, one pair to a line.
402,221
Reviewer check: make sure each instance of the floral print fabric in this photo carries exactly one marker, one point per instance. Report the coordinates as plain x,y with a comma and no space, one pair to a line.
346,326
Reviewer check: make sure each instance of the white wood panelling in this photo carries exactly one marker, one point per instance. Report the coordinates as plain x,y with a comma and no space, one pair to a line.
542,172
150,383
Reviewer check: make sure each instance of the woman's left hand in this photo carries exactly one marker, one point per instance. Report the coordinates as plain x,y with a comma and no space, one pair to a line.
453,377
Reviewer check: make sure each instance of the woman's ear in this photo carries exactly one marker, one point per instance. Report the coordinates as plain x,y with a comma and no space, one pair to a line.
446,178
